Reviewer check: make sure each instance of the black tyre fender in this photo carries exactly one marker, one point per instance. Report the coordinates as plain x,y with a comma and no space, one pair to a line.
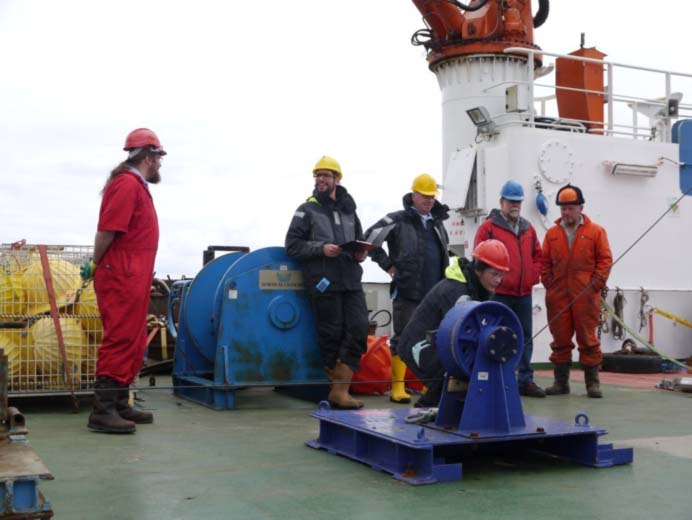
632,363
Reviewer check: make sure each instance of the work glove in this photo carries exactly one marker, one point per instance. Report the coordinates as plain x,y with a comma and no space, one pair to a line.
86,271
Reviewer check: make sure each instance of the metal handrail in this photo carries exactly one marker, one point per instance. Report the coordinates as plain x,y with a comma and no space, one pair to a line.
608,93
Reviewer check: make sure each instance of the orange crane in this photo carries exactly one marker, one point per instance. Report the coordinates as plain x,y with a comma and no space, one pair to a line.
481,27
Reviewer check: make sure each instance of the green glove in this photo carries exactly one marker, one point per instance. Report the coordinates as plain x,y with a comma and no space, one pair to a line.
86,271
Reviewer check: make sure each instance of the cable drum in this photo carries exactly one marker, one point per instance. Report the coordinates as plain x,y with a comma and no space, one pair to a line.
470,326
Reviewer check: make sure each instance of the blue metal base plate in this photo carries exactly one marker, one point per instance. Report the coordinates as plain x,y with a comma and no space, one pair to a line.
426,454
205,392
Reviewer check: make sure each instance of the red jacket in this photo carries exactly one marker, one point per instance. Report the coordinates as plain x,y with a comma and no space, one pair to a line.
587,262
524,253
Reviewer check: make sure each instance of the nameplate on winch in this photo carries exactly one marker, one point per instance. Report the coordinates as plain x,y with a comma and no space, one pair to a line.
281,279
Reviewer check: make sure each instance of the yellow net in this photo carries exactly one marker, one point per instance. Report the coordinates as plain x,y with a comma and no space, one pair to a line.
87,309
47,350
12,299
66,282
16,344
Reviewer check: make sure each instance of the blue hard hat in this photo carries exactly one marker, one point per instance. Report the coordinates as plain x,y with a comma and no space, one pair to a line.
512,190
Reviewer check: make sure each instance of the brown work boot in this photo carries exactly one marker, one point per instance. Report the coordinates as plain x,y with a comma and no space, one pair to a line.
593,388
330,373
130,413
561,383
531,390
105,418
338,394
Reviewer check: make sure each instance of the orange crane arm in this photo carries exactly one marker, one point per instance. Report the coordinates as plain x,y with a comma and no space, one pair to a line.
482,26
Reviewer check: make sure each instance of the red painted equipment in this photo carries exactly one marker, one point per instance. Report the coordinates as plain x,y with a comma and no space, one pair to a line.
481,27
580,88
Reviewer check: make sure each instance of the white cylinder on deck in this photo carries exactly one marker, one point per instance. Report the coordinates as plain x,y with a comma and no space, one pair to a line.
470,81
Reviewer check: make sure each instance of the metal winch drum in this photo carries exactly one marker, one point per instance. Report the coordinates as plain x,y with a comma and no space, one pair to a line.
244,320
480,411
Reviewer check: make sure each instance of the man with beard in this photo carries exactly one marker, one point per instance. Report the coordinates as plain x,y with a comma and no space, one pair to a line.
332,276
519,236
575,267
416,258
123,265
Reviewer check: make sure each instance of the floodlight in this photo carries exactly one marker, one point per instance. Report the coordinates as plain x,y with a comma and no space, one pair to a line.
480,117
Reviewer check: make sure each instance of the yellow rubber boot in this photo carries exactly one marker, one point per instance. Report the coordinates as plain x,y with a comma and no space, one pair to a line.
398,393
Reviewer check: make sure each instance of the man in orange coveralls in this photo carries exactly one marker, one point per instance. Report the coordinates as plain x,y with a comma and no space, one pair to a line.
123,266
575,267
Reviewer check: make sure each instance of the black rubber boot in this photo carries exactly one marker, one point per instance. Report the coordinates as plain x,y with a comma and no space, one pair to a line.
128,412
561,383
431,397
105,418
593,388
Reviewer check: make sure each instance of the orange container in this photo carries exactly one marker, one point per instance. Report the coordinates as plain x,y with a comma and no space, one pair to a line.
582,76
375,374
412,382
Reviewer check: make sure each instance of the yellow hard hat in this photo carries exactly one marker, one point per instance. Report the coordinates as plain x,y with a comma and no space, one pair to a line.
328,163
424,184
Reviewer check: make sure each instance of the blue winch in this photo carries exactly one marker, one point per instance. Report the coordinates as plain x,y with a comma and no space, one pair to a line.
245,320
480,411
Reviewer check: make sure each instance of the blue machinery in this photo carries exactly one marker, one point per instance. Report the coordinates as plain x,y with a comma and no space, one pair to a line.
480,411
21,469
244,320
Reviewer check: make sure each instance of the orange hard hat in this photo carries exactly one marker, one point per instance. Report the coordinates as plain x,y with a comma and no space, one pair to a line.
141,137
494,253
569,195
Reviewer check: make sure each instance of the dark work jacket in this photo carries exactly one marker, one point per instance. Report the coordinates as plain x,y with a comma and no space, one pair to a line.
321,221
439,300
405,236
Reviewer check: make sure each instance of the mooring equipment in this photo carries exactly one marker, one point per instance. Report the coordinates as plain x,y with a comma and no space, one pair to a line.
480,412
245,320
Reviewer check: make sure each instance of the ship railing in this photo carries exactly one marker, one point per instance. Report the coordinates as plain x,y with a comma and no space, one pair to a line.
654,107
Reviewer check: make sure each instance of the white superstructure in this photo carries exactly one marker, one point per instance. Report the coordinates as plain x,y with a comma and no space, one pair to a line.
628,170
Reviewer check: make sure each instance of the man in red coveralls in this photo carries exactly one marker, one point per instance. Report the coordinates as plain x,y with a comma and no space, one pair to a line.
575,267
124,252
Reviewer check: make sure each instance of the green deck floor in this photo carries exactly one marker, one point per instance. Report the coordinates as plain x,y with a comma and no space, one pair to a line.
251,463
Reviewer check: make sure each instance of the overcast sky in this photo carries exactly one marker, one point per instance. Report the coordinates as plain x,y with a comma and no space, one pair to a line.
245,97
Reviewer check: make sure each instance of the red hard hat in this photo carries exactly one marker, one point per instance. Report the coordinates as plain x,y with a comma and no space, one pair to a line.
142,137
494,253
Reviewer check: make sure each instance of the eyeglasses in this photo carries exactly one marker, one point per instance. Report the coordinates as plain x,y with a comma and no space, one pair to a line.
325,175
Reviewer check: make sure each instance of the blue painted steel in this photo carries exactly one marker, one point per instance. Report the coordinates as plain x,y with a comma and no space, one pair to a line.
480,411
252,324
22,496
682,134
200,307
21,468
425,455
481,343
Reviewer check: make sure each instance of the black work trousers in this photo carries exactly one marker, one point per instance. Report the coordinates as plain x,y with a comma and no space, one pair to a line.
403,310
342,326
